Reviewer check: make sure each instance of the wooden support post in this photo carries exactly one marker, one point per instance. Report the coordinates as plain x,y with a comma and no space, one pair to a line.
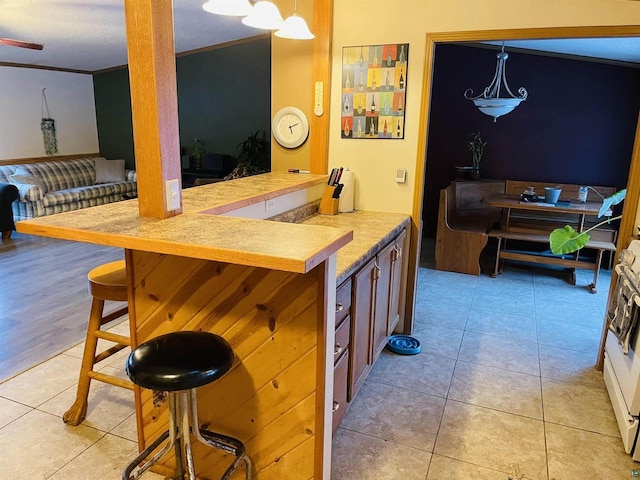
154,102
321,64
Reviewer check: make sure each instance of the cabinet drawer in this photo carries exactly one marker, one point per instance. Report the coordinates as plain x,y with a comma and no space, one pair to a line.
340,375
343,301
342,339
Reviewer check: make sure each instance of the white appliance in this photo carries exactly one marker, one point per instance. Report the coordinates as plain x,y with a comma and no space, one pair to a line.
622,371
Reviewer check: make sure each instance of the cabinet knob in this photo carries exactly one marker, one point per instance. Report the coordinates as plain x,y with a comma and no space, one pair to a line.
336,406
339,307
338,349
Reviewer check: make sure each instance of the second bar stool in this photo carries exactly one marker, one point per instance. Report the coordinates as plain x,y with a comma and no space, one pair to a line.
178,363
106,282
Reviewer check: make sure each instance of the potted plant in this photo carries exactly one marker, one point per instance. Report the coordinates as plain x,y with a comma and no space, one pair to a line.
253,156
567,240
197,154
476,147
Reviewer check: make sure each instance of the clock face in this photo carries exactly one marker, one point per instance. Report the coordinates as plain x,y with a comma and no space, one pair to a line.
290,127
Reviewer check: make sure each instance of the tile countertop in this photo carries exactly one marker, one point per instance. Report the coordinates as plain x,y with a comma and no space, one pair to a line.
295,247
371,230
274,245
221,197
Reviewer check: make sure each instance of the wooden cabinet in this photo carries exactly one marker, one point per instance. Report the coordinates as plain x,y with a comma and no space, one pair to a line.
382,292
396,306
375,309
368,308
341,352
362,312
340,377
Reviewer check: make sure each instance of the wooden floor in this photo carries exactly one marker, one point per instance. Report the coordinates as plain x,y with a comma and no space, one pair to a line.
44,303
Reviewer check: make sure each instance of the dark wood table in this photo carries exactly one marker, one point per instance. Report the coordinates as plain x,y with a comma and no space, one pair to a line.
511,202
537,233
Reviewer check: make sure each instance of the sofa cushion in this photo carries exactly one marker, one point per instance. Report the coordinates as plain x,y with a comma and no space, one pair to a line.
61,196
108,171
30,187
63,174
27,179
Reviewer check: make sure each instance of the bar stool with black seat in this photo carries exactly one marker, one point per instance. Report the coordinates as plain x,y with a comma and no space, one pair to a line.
106,282
178,363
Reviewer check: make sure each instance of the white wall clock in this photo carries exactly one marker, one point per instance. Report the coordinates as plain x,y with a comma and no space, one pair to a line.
290,127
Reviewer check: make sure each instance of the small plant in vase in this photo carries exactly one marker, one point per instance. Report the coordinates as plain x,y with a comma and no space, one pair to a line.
197,153
254,156
476,147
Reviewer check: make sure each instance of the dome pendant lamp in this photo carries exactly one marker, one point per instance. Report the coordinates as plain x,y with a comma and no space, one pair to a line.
231,8
489,101
295,27
265,15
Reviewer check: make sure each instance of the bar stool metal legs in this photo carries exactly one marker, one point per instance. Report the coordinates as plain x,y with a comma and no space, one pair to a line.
178,363
183,422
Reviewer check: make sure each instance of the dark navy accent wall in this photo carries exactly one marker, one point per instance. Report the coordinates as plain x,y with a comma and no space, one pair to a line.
577,126
223,96
113,115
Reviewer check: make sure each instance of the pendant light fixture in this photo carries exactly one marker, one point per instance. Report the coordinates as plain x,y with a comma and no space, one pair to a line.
295,27
231,8
265,15
489,101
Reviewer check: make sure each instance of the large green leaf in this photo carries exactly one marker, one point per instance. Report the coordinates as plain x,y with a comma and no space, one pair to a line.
609,202
567,240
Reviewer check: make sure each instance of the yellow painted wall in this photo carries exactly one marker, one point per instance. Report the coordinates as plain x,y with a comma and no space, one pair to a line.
359,22
292,84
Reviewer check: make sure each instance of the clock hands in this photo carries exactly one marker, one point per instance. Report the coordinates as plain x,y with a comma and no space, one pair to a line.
291,127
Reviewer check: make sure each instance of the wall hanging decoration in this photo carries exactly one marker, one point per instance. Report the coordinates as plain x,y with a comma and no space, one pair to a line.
48,127
373,95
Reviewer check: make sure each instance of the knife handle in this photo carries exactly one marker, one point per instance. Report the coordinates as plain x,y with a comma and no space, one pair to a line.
332,177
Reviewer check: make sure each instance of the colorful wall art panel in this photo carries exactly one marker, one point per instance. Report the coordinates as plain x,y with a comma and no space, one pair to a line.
373,99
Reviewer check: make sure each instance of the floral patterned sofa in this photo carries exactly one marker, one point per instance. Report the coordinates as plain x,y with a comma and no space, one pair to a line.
59,186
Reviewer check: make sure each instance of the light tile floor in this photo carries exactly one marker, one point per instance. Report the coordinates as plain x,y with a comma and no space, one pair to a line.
504,387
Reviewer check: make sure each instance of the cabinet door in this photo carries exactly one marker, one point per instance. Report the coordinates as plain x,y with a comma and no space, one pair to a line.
382,280
340,372
395,289
361,314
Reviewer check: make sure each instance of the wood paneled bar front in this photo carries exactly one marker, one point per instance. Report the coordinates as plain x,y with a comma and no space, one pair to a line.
267,287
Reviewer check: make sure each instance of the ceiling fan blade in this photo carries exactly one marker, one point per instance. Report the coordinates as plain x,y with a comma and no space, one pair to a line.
20,43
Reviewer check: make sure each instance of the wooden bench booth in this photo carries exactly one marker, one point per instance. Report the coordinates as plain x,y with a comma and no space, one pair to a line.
464,220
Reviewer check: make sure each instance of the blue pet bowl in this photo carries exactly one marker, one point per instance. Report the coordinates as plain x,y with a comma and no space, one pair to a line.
404,345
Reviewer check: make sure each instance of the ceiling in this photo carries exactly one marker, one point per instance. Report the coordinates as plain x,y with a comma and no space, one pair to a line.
89,35
615,49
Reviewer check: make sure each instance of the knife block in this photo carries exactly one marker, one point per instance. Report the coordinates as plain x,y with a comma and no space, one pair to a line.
328,204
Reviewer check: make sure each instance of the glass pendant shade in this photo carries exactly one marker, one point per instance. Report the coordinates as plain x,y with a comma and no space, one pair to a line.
489,101
496,107
232,8
264,15
295,28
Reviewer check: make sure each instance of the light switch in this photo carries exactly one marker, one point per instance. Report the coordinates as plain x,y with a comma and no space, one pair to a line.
173,194
401,175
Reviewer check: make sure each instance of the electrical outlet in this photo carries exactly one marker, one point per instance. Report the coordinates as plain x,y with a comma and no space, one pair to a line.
172,188
270,205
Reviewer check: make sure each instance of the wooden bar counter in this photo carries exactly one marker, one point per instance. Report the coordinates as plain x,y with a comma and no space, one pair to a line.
267,287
